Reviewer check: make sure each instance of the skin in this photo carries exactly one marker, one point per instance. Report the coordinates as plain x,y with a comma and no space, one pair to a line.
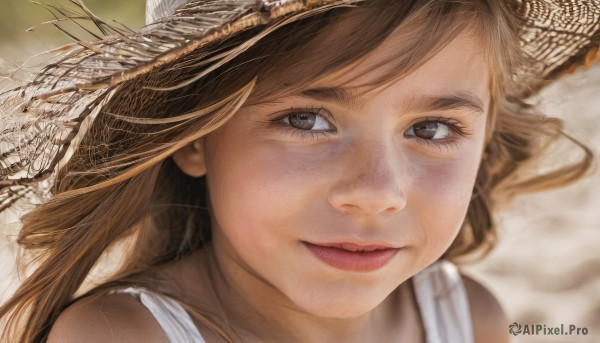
369,179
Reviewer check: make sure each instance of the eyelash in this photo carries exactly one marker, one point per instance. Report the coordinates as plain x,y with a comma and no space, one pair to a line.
454,125
304,134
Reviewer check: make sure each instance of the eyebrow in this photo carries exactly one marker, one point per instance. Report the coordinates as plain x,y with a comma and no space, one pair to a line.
341,96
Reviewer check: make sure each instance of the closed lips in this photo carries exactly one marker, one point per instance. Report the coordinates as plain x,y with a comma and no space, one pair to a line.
353,257
355,247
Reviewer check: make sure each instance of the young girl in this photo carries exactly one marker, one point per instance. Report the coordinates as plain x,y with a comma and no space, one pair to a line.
287,171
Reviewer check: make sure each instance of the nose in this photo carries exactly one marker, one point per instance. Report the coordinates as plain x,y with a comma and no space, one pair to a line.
371,182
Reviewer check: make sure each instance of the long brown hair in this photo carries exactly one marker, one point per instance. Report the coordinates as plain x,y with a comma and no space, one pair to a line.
121,182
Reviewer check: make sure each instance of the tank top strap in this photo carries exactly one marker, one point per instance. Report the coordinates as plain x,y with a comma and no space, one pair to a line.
443,303
172,317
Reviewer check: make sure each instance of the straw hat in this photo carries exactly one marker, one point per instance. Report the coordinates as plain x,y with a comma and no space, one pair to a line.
42,122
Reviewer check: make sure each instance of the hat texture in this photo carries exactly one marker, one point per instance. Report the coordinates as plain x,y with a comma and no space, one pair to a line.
43,121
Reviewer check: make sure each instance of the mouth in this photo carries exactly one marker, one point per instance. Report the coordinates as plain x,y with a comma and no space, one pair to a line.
355,247
353,257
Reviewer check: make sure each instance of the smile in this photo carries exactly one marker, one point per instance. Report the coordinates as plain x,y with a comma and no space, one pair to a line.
353,257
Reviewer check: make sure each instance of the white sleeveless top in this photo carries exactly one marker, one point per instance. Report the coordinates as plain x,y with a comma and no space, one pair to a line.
439,290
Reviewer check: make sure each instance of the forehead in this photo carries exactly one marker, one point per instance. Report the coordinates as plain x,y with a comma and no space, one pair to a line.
424,51
459,67
369,49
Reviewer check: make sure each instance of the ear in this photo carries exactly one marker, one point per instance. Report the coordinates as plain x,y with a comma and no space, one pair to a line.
190,158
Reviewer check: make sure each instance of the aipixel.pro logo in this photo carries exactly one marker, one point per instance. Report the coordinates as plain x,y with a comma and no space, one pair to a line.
545,330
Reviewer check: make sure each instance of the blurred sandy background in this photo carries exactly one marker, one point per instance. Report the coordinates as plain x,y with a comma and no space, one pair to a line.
546,268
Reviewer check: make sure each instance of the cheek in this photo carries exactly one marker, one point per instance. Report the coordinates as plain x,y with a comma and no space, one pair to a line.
237,184
448,182
440,199
255,188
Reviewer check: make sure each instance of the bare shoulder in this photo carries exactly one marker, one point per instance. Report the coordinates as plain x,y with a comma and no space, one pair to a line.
490,323
107,318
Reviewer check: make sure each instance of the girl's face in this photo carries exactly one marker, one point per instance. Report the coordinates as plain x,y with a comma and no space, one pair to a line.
393,168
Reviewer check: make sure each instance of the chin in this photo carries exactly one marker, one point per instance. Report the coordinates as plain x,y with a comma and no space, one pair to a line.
339,305
340,311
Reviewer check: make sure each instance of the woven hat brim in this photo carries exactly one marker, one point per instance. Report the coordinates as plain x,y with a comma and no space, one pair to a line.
44,121
557,38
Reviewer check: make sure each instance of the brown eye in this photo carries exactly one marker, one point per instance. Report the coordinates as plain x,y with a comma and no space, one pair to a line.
302,120
308,121
429,130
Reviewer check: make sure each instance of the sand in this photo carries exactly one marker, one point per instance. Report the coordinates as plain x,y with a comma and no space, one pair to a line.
546,267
